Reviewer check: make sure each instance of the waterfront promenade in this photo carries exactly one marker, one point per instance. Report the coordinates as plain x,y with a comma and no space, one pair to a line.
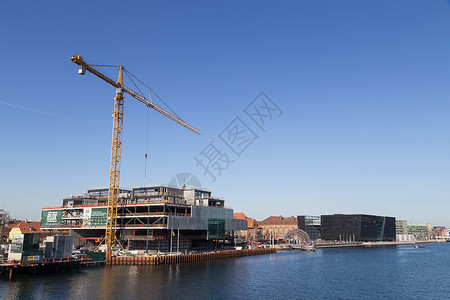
370,244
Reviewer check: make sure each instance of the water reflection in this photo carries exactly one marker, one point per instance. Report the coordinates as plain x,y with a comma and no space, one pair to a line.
394,272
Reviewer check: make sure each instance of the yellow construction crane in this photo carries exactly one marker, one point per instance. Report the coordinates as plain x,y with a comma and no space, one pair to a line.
114,174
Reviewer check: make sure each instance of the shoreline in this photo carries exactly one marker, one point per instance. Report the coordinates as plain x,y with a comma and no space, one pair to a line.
373,244
359,244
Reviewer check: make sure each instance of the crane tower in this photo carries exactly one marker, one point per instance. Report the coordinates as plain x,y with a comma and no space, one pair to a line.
116,146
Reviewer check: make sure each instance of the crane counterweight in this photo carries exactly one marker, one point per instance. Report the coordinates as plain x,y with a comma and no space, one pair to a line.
81,70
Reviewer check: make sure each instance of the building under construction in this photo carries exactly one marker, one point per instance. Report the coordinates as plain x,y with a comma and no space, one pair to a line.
157,217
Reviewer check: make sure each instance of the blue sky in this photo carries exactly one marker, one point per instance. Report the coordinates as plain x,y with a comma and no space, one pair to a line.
363,86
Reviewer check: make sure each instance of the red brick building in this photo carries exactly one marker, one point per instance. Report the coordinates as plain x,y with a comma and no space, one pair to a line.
277,226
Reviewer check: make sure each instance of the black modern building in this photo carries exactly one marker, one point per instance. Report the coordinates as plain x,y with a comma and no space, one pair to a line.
311,225
357,228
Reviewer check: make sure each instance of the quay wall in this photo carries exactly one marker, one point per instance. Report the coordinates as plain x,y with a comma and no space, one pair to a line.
174,259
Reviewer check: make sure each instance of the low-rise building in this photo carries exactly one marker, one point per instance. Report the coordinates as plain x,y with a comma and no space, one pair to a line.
421,231
440,231
27,227
401,227
277,227
251,233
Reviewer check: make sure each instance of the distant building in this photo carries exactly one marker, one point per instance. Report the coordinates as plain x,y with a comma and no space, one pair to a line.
311,225
357,227
402,234
4,216
421,231
27,227
251,233
401,227
277,227
4,222
440,231
405,238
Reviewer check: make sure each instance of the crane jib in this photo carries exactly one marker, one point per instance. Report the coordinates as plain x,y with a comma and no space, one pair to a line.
159,109
79,61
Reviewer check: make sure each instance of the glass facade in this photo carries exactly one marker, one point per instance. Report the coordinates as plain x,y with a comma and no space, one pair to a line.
350,228
311,225
216,229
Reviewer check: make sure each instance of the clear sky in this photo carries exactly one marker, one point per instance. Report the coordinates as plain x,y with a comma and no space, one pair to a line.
362,88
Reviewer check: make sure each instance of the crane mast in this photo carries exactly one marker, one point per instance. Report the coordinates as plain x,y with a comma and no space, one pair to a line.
116,145
114,171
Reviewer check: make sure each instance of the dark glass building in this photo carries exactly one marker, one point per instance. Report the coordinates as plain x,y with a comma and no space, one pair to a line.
311,225
357,228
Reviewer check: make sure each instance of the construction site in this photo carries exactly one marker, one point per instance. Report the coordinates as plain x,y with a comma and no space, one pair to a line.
154,224
150,219
157,219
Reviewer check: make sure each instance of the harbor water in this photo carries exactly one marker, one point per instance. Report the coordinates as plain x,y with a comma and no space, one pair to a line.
398,272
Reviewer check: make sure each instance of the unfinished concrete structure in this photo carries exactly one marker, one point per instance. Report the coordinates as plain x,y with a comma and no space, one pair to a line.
157,217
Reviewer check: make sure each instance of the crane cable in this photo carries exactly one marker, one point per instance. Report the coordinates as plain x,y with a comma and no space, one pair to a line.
129,74
154,94
146,147
146,134
109,66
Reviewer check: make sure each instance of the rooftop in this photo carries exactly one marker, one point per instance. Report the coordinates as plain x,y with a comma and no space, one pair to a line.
274,220
242,216
26,227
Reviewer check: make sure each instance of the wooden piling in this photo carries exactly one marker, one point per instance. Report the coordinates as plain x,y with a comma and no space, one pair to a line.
194,257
